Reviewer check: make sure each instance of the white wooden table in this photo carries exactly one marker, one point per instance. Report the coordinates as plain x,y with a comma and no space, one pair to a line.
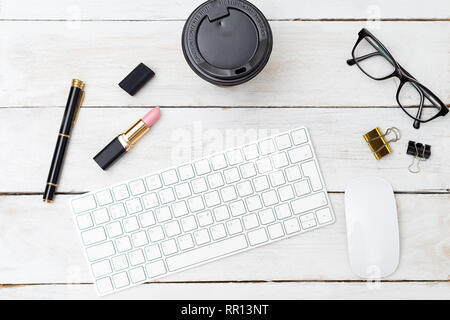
306,82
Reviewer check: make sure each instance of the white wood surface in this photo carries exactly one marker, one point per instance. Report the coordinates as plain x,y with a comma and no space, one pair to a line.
306,82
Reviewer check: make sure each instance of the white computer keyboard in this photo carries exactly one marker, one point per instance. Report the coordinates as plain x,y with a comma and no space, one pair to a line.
152,226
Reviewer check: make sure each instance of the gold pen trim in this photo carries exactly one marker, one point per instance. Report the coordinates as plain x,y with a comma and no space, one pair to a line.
52,184
48,201
64,135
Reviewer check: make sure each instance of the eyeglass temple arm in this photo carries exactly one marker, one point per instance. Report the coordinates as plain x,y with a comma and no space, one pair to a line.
352,61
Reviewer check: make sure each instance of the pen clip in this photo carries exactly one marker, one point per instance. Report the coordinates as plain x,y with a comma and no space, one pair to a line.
78,108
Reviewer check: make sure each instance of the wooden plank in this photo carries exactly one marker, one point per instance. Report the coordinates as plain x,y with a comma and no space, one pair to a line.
38,244
307,66
183,134
240,291
180,9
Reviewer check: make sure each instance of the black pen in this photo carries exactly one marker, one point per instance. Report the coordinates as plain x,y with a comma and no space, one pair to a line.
73,106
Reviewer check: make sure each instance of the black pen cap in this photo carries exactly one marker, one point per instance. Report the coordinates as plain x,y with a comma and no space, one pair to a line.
136,79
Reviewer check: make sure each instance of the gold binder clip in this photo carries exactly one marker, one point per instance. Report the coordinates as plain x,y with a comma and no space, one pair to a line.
377,142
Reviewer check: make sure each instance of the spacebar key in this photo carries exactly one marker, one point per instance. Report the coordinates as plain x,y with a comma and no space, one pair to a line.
206,253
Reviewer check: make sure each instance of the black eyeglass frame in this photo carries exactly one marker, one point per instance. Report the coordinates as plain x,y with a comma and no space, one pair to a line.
399,72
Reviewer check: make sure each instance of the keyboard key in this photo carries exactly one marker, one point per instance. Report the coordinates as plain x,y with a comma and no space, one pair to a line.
199,185
257,237
121,280
266,216
93,236
147,219
250,221
291,226
302,188
251,152
253,203
155,269
101,268
104,285
186,172
307,217
201,237
114,229
206,253
153,182
234,226
218,162
286,193
228,193
275,231
215,180
283,211
283,141
299,136
300,154
139,239
261,183
185,242
196,204
264,165
234,157
169,177
152,252
84,204
244,188
309,203
266,147
221,213
156,233
101,216
104,197
212,198
183,190
137,187
172,228
231,175
277,178
130,224
202,167
205,218
120,262
163,214
84,221
166,195
134,206
117,211
218,231
247,170
121,192
310,170
100,251
179,209
324,215
309,224
137,275
169,247
293,173
269,198
150,201
237,208
280,160
123,244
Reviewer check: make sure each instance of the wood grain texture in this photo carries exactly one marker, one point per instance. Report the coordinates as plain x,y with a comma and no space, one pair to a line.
183,134
38,244
307,67
180,9
240,291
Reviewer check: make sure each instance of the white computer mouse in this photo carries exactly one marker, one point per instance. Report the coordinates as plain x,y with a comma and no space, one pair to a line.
372,227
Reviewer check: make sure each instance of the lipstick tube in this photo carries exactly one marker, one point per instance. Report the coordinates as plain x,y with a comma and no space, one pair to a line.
126,140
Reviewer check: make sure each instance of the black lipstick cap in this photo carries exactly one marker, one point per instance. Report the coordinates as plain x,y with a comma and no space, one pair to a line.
136,79
113,151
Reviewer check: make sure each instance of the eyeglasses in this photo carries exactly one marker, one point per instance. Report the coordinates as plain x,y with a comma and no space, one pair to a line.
418,102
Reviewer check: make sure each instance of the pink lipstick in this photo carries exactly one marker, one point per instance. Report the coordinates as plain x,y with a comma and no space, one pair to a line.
124,141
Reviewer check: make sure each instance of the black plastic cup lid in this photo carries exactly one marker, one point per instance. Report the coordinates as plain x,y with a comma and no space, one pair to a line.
227,42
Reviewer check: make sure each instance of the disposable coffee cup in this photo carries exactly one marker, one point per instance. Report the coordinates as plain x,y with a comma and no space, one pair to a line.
227,42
